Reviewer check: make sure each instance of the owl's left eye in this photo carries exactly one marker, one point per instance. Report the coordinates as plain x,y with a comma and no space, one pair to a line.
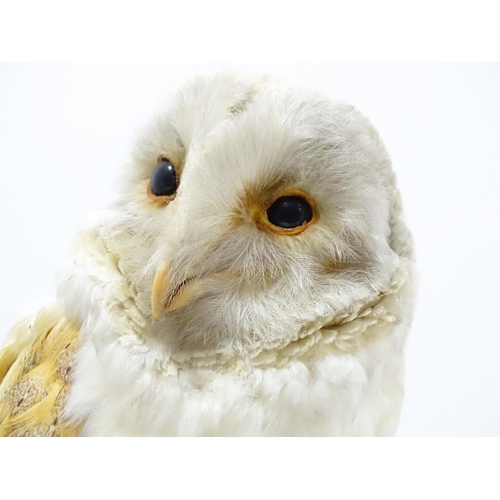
164,179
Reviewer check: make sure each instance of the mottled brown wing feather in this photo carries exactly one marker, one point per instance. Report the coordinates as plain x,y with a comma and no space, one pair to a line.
35,377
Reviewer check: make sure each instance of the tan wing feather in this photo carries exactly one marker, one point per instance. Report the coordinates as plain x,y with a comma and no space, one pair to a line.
35,376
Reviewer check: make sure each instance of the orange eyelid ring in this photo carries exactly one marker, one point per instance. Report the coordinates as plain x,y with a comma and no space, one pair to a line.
264,224
161,200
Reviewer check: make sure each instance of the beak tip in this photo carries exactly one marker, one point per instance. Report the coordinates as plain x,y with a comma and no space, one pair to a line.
157,292
156,311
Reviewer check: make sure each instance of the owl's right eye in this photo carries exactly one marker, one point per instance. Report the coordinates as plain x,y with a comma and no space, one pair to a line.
164,179
290,212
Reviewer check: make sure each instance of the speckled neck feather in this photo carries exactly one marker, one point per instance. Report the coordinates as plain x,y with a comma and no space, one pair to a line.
347,331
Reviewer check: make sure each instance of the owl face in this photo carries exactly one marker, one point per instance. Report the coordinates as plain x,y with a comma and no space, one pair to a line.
250,210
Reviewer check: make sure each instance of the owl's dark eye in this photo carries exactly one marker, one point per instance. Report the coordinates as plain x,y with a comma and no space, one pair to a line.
164,179
289,212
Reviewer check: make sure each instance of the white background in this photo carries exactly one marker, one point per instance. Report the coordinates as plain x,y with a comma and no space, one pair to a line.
65,130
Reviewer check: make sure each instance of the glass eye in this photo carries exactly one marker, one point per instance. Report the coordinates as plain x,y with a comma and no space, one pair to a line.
289,212
164,179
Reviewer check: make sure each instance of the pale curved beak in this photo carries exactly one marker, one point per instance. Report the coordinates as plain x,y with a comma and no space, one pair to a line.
167,296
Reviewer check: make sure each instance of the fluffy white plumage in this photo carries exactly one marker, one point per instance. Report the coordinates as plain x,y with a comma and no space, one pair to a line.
276,333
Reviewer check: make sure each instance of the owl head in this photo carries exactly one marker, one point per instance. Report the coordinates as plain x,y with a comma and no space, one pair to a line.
249,210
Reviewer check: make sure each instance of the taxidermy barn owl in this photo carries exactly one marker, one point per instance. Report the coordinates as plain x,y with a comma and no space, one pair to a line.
252,277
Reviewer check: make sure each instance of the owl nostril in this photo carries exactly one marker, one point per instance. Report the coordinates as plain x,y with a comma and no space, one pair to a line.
167,295
174,297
